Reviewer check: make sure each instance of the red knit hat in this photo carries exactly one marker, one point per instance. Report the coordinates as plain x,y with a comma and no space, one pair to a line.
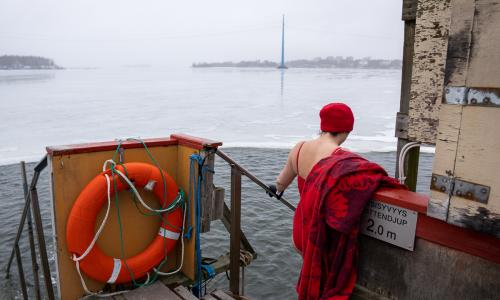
336,117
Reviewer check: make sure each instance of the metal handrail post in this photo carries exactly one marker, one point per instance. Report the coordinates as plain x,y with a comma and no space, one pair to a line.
34,263
253,178
21,272
234,247
41,244
38,168
21,223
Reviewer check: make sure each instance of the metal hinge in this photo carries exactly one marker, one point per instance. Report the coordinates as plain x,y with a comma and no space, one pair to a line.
472,96
460,188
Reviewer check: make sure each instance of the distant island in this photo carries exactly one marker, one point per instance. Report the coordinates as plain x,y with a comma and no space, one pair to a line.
327,62
15,62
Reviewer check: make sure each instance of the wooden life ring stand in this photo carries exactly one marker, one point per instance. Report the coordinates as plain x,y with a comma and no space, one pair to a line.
82,218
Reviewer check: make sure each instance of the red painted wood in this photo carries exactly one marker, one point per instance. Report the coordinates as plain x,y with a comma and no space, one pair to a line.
195,142
458,238
403,198
174,139
439,232
106,146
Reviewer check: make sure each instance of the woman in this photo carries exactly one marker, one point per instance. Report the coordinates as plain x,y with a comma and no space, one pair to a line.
334,186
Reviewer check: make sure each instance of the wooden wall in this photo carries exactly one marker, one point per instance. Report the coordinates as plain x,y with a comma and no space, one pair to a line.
70,174
468,140
431,41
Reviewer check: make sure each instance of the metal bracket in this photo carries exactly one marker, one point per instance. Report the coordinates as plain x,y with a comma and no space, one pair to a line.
456,95
460,95
484,97
460,188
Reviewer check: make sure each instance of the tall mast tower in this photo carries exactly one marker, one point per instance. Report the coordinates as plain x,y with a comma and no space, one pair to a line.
282,64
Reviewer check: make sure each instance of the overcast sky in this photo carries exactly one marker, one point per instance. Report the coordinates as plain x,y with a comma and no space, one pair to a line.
93,33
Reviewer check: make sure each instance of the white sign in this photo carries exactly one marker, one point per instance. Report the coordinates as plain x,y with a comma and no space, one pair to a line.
390,223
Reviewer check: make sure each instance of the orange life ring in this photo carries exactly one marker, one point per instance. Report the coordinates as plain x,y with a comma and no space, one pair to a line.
81,225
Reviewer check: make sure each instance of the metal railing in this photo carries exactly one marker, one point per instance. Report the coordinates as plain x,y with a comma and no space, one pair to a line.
32,206
235,233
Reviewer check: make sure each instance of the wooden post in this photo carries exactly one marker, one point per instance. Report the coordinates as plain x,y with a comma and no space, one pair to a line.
207,187
218,205
409,17
234,248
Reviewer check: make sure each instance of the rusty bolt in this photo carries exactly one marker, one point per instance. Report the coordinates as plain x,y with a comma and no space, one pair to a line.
483,190
486,100
434,179
459,193
468,195
473,101
443,189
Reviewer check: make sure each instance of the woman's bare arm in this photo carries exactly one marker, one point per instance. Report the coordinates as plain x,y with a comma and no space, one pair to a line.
289,171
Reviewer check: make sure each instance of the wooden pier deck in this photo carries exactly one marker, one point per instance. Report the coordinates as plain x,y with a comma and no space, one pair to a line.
159,291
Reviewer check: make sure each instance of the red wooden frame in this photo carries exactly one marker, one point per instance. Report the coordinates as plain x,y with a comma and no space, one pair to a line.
174,139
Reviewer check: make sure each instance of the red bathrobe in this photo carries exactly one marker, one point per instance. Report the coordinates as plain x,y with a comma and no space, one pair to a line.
326,222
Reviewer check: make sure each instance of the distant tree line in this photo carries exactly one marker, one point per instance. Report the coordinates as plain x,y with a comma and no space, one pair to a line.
241,64
15,62
327,62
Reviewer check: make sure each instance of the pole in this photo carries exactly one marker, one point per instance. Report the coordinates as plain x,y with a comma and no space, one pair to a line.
409,17
21,272
34,263
38,168
283,43
234,247
41,244
21,223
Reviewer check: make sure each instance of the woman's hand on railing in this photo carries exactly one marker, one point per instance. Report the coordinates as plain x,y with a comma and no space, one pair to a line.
274,191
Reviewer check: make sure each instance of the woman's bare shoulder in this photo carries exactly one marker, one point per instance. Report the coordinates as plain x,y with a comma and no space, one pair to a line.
294,151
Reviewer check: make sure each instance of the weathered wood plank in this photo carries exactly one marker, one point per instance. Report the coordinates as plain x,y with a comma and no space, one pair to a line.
207,199
402,125
409,10
431,40
218,204
404,104
183,170
444,159
220,295
459,42
484,62
184,293
478,161
70,174
156,291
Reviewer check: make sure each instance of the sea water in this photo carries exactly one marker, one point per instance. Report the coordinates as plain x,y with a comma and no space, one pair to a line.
241,107
258,114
